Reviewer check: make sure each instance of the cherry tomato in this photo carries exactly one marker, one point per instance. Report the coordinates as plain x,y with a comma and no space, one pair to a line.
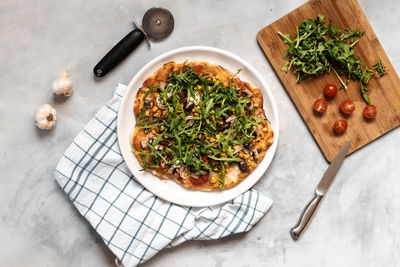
340,126
369,111
202,179
347,106
320,105
330,90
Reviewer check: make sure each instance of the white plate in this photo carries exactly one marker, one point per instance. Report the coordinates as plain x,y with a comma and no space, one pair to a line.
167,189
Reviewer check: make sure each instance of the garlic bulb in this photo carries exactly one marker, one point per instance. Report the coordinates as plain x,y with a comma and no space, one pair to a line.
45,117
63,85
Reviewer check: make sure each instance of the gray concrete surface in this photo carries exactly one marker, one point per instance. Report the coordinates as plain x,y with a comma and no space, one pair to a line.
355,226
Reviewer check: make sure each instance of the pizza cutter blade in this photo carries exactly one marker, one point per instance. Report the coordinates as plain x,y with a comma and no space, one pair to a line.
157,24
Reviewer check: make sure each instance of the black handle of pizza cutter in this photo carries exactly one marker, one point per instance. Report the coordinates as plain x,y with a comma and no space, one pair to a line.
122,49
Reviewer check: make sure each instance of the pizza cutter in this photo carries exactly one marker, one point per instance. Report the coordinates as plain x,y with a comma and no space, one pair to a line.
157,24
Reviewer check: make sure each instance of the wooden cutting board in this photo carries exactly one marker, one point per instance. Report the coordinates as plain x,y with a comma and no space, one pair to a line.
384,91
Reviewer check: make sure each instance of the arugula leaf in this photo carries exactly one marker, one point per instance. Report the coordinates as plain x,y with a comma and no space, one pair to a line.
319,48
192,137
380,69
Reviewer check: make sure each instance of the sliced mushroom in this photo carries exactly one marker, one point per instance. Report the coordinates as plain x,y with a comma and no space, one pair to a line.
243,166
150,139
159,104
231,118
144,144
256,132
248,146
162,164
189,120
158,147
247,93
237,148
172,170
249,105
255,155
195,176
162,85
189,106
183,172
149,100
154,117
224,126
190,123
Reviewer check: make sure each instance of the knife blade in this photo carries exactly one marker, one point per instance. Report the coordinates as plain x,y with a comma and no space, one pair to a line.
320,191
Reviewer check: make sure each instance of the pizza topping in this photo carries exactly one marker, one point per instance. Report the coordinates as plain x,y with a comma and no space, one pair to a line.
255,155
243,166
250,105
231,118
189,106
247,93
237,148
201,179
202,126
224,126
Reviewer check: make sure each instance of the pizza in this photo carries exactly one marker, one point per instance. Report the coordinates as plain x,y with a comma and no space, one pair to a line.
199,125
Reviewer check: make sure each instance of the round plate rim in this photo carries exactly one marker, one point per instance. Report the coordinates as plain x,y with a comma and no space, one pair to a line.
152,184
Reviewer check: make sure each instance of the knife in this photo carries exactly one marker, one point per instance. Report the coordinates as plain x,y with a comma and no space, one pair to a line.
320,191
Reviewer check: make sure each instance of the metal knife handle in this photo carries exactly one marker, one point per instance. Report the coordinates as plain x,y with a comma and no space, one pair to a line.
305,217
118,52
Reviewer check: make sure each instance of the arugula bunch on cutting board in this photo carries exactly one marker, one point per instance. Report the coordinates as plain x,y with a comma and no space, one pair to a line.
319,48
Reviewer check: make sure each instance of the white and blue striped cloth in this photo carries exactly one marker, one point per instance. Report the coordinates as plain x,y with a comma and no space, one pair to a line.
134,223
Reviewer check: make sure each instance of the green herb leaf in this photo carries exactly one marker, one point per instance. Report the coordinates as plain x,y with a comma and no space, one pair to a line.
380,69
319,48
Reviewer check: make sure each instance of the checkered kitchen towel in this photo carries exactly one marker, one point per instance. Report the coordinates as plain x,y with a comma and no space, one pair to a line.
134,223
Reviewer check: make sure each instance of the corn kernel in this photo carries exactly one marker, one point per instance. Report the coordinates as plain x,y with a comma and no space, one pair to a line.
196,114
215,185
156,94
223,155
164,112
256,105
213,179
147,113
153,131
227,171
233,109
154,109
193,110
215,169
220,186
265,129
165,136
258,139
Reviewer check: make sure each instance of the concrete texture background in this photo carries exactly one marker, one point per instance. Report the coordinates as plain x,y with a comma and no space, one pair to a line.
355,225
